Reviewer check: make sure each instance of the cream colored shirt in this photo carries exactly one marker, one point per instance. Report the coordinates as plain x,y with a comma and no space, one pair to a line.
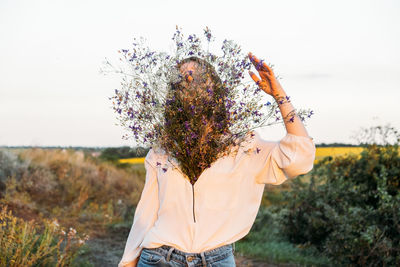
223,203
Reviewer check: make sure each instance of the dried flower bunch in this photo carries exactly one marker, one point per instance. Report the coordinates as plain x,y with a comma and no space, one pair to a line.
192,104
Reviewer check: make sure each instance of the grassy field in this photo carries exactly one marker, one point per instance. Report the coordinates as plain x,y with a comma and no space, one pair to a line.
70,187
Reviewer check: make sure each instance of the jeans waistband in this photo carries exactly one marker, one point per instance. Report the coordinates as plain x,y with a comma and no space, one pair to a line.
194,259
205,253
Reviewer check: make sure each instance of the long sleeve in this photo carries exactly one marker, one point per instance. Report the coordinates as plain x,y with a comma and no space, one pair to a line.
277,162
145,213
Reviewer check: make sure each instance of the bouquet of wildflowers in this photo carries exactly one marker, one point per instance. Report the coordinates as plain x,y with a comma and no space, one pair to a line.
191,103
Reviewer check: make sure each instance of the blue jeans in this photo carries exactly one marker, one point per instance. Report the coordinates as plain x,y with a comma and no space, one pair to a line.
169,256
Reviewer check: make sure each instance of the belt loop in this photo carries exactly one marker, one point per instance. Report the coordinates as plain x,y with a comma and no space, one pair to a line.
169,253
203,259
233,246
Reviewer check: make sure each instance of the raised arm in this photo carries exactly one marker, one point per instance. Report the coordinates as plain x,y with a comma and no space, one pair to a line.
269,84
294,154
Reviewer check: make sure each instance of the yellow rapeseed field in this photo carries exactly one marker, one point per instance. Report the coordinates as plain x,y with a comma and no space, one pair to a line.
132,160
335,151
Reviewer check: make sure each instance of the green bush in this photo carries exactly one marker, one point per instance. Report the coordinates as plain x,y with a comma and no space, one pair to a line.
350,210
115,153
31,243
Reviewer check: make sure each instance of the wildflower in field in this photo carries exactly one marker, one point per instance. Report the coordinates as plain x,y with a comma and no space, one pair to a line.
55,223
71,232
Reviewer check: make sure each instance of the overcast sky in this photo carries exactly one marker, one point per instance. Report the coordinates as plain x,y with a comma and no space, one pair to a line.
338,58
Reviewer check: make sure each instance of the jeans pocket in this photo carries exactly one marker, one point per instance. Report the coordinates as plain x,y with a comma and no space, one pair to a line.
151,257
227,261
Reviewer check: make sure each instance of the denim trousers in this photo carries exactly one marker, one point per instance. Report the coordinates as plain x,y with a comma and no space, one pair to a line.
172,257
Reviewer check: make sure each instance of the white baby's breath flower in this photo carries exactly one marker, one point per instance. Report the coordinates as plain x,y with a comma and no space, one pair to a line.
55,223
72,232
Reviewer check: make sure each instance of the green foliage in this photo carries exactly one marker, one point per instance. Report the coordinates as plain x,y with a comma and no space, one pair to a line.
69,186
350,210
83,193
113,154
32,244
266,243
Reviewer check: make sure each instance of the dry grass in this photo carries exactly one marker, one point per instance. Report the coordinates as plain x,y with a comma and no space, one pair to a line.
72,186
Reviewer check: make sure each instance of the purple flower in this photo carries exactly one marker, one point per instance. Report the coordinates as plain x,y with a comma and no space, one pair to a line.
260,64
164,169
193,135
158,163
133,57
186,125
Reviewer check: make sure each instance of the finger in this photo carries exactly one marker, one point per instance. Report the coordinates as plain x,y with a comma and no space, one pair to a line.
268,68
259,64
254,77
254,60
265,76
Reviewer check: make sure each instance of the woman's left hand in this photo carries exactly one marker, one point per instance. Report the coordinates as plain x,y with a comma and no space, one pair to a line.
268,82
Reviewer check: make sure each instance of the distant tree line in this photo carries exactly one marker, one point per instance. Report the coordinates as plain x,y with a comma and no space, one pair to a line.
335,145
115,153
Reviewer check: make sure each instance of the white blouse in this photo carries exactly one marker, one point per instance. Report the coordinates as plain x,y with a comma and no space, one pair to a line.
221,207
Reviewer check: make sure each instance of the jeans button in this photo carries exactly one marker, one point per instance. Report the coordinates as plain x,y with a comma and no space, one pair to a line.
189,258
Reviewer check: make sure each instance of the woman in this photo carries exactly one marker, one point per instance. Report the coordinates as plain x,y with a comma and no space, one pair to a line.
178,223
